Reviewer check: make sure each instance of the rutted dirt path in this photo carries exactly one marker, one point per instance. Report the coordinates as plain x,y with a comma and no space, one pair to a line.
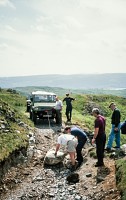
33,180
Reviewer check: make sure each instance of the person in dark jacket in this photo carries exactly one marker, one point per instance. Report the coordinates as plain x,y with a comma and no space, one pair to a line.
99,136
68,101
115,129
81,137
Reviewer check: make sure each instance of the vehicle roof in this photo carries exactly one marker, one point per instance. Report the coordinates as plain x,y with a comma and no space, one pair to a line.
42,92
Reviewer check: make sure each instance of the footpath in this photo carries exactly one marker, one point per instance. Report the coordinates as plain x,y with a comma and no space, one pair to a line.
34,181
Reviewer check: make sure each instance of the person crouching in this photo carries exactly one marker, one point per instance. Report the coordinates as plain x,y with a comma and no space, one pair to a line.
70,142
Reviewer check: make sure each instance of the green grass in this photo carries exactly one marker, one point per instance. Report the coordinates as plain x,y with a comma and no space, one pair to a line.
11,142
13,136
121,177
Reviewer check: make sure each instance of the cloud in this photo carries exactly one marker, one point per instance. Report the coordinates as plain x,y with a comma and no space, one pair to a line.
9,28
7,3
3,46
73,36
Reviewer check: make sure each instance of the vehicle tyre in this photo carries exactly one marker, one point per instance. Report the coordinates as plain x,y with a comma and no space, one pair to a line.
34,118
30,115
57,121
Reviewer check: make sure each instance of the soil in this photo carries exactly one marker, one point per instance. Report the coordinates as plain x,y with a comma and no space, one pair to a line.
33,180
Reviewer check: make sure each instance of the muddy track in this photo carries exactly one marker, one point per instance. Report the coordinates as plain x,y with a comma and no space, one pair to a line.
33,180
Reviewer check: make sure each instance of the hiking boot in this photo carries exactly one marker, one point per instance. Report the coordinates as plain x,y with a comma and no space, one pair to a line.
99,164
116,147
108,149
73,168
79,164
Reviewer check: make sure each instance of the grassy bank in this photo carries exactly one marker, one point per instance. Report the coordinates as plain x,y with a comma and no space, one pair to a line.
13,135
121,176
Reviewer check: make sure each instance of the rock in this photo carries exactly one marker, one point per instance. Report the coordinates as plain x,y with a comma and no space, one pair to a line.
39,178
100,179
38,154
31,134
30,152
73,178
77,197
3,126
32,140
88,175
51,159
123,147
51,194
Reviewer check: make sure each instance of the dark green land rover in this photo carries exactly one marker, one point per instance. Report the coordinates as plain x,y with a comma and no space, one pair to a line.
42,106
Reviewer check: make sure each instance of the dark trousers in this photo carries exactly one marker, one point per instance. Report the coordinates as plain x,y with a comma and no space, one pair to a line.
79,147
100,146
68,113
58,117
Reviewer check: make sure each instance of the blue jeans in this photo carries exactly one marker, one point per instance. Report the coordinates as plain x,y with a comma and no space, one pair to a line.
114,135
79,147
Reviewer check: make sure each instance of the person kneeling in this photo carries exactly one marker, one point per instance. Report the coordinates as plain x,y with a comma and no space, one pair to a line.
70,142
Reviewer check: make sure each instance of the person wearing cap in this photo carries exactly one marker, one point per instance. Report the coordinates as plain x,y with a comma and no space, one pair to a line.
68,101
58,108
115,128
70,142
81,137
99,136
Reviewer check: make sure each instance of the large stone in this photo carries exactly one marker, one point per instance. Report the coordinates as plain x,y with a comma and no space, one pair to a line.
123,147
73,178
51,159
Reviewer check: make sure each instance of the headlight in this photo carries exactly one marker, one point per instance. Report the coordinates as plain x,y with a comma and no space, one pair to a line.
36,109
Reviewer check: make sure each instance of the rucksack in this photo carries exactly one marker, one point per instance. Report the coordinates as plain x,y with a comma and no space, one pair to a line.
123,128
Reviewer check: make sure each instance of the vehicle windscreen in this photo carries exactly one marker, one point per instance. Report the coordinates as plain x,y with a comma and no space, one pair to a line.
44,98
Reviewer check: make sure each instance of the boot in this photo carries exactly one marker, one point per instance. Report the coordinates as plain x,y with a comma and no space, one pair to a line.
73,168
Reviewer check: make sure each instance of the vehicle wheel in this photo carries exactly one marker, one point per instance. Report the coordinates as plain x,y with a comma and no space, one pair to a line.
57,121
30,115
34,118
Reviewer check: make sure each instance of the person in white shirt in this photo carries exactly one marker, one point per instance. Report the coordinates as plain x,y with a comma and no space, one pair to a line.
70,142
58,108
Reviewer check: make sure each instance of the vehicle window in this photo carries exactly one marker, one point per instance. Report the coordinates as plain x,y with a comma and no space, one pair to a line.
45,98
36,99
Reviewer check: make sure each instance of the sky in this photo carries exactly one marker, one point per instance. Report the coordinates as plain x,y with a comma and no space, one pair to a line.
40,37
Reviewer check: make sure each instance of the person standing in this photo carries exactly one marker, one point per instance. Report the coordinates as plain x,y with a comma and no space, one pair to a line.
81,137
115,128
99,136
70,142
68,100
58,108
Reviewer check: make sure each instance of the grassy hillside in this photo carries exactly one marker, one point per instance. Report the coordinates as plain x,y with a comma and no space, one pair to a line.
13,135
121,176
84,104
14,103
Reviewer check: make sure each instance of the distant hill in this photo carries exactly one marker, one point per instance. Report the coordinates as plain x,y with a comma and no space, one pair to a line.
26,91
78,81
